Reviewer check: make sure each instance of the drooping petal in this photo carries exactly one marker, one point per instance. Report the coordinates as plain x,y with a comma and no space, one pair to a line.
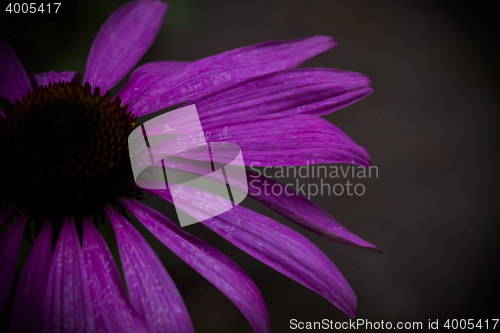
283,199
13,79
153,91
286,251
279,247
209,262
113,311
43,79
10,244
311,91
151,290
68,302
294,140
297,208
122,41
30,292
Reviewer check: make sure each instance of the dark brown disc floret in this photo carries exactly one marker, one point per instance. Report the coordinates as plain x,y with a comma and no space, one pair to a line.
64,150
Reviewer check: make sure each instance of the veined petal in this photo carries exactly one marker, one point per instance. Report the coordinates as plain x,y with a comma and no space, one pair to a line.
161,69
290,141
10,244
280,247
153,91
68,303
44,79
13,79
302,211
113,311
286,202
122,41
209,262
30,292
151,290
312,91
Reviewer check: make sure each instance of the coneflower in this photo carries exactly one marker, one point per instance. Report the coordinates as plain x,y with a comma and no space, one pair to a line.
65,169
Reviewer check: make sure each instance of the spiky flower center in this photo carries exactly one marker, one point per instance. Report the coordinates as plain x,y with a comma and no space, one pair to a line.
64,150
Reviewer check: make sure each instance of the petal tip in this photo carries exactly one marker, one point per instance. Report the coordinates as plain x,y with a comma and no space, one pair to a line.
374,249
326,40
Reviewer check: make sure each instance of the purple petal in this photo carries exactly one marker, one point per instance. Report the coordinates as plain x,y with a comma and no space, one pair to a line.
302,211
153,92
281,248
2,113
113,311
150,288
13,79
10,244
30,292
295,140
68,302
161,69
122,41
164,67
209,262
288,203
44,79
296,91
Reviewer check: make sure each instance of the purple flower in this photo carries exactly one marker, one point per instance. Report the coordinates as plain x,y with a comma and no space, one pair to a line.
64,170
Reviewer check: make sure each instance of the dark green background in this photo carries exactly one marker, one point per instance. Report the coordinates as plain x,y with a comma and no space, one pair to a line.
430,127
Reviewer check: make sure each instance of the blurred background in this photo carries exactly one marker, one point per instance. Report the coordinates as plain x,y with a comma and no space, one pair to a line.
430,127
